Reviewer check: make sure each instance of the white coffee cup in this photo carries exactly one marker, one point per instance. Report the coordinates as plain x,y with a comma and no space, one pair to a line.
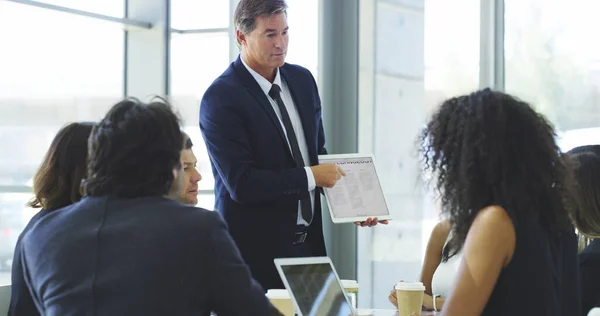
351,289
409,296
282,301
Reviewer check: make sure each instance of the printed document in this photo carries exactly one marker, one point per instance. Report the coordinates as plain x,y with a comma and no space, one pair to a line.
358,195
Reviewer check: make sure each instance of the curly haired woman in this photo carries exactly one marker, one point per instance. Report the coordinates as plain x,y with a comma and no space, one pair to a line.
504,186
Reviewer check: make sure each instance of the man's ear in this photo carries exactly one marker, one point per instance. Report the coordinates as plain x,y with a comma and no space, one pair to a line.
240,37
176,171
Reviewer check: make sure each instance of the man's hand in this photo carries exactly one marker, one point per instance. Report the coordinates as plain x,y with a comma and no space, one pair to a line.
370,222
327,174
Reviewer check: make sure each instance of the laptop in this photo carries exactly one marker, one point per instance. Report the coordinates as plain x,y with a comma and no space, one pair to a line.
315,287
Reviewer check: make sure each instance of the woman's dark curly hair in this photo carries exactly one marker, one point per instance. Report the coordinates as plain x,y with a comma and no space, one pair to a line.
488,148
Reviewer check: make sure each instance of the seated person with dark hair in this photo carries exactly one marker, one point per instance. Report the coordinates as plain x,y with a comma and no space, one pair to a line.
586,217
56,184
128,247
191,176
592,149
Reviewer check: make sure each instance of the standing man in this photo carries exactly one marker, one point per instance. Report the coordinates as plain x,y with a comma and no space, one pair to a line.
261,121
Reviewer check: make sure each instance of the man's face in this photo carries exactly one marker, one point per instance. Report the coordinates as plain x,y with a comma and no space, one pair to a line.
266,46
191,177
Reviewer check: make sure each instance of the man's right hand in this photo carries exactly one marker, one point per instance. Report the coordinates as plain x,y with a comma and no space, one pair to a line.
327,174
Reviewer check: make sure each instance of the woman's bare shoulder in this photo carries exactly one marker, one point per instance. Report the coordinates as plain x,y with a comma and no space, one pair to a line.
441,230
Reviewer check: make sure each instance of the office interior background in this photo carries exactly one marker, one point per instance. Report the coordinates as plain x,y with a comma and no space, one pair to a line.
382,67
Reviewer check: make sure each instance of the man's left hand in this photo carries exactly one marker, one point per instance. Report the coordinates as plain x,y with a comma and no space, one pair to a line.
370,222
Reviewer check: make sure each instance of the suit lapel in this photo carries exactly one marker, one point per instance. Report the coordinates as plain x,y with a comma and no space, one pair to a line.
260,97
305,110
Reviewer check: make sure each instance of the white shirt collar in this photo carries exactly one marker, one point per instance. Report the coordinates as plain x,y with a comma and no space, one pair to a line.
264,84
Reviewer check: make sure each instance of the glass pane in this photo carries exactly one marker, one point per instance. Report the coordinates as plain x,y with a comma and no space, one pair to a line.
553,62
451,49
414,4
199,14
107,7
206,201
433,56
69,70
14,215
303,20
193,69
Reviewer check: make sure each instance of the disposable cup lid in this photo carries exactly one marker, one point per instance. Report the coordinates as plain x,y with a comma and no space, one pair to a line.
349,283
410,286
278,294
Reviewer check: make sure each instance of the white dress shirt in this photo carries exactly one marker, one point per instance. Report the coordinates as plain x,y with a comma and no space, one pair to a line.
286,96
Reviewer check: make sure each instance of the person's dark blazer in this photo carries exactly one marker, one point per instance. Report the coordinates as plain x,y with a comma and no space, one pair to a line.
142,256
257,184
589,269
21,302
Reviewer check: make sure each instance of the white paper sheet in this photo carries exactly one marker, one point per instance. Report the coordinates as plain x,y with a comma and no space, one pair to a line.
358,195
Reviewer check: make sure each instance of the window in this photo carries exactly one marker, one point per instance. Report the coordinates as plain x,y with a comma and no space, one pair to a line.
71,69
114,8
199,14
553,63
451,50
303,20
197,60
422,56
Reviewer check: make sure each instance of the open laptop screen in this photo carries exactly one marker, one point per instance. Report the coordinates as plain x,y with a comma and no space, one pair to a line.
316,289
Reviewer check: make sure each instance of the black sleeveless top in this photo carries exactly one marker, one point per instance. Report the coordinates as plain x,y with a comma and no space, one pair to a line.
542,277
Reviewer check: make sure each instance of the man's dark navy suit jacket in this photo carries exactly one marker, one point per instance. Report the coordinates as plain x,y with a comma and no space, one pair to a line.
257,184
142,256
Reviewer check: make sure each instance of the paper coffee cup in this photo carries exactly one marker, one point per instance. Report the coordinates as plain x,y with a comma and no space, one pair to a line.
282,301
351,289
409,297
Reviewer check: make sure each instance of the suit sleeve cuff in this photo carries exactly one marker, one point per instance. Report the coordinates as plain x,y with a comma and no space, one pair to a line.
311,179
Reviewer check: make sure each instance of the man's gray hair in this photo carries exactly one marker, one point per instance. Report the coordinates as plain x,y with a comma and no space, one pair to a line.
247,11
